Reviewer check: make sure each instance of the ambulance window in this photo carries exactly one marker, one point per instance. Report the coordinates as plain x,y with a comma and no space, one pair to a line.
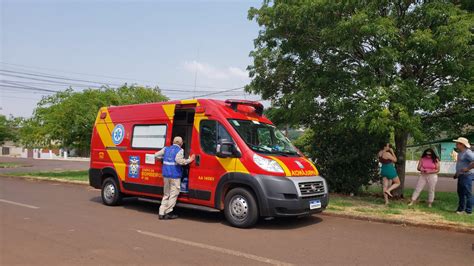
149,136
210,133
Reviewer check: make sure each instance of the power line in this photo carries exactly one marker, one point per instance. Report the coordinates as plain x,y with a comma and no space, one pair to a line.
22,85
60,80
45,83
39,79
45,75
58,83
110,77
19,90
21,75
28,88
218,92
15,97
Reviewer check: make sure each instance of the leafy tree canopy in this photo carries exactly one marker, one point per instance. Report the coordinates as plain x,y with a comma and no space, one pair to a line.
382,66
66,118
7,129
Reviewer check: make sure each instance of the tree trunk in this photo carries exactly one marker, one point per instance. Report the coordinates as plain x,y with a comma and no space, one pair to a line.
401,138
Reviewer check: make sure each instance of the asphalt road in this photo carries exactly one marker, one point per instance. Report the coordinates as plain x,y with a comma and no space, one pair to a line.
32,165
47,223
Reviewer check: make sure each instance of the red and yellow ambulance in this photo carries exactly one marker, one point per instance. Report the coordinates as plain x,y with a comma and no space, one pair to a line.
244,166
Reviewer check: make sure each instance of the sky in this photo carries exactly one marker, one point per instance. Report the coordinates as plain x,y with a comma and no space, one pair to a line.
199,47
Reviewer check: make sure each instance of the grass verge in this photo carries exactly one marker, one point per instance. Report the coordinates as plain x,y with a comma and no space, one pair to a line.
371,205
81,176
12,165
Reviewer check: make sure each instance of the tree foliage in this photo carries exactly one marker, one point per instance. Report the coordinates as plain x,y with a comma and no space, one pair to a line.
345,160
66,119
8,129
373,66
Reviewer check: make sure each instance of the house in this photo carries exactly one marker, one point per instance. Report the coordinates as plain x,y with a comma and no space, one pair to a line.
9,148
442,147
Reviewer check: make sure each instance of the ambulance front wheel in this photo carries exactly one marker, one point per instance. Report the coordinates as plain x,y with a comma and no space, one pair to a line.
241,209
111,195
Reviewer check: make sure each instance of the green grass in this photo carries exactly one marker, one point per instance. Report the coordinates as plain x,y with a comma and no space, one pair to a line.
66,175
11,165
340,202
371,203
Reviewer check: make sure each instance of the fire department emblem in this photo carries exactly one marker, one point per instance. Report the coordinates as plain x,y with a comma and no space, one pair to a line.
134,166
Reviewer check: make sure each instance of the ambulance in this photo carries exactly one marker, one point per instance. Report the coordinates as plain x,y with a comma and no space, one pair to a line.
244,166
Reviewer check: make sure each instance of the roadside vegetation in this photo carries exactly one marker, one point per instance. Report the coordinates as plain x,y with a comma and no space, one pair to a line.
11,165
370,204
66,175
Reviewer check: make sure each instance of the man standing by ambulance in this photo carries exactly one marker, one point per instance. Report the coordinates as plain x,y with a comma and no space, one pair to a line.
173,161
464,174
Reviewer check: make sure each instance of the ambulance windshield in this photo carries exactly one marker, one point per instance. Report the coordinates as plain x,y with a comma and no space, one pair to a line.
263,138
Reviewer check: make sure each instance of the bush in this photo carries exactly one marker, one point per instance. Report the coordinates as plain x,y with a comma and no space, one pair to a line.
347,158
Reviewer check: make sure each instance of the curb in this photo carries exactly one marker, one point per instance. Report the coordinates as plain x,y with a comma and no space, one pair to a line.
401,222
51,179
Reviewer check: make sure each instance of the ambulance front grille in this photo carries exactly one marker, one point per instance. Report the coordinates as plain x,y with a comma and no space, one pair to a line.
311,188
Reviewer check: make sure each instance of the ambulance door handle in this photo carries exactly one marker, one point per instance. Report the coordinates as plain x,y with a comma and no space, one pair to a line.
198,160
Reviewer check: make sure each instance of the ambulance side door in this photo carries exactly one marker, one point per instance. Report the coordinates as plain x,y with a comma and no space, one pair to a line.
208,168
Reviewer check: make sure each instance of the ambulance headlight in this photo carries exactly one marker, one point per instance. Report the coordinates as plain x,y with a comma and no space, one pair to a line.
267,164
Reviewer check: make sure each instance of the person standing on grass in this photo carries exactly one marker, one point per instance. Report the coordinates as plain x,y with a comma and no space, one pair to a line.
389,174
173,161
428,165
464,174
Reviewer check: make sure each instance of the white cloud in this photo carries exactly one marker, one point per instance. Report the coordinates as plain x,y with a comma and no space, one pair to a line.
215,73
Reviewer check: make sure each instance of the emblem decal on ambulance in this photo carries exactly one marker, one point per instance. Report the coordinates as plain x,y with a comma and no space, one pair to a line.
118,134
299,164
133,166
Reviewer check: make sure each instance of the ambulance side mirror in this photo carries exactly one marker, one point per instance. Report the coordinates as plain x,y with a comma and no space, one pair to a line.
227,149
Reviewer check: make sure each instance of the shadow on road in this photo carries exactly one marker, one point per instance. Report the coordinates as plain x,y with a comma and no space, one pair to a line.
217,217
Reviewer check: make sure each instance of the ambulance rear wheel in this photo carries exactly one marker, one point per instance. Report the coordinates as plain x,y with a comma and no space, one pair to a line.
241,209
111,195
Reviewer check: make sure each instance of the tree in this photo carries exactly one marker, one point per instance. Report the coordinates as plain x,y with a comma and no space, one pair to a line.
8,129
66,119
400,67
4,129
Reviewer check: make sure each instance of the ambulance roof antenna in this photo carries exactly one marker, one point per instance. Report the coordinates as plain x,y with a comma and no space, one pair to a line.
196,74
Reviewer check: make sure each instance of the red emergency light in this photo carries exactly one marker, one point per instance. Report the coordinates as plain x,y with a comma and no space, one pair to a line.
234,104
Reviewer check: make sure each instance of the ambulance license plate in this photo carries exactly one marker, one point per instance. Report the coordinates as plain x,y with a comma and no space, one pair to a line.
314,204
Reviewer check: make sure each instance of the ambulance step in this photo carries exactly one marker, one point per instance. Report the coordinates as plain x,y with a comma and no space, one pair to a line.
184,205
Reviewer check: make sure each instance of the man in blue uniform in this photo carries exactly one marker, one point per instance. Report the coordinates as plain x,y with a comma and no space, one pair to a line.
464,174
173,161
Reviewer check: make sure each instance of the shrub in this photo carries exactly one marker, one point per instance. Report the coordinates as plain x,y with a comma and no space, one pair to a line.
347,158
